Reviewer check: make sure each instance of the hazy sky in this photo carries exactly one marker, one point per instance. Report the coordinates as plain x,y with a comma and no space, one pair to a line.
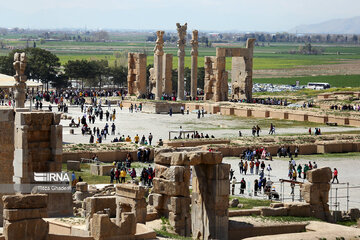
217,15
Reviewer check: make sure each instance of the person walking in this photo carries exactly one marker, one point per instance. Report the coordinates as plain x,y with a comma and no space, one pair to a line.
335,176
251,167
299,170
241,166
242,186
233,182
112,175
117,176
269,169
258,129
306,168
133,174
123,175
257,164
150,138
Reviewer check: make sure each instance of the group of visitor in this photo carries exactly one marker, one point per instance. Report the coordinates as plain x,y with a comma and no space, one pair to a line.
264,101
345,107
257,153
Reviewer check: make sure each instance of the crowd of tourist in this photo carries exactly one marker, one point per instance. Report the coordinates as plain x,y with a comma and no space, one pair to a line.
264,101
345,107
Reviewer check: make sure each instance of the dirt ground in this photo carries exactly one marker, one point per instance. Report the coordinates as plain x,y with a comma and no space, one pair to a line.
159,125
348,67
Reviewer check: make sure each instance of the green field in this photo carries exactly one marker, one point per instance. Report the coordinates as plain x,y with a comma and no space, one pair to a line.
334,80
272,56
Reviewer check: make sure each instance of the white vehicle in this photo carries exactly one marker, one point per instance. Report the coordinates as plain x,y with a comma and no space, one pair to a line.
317,85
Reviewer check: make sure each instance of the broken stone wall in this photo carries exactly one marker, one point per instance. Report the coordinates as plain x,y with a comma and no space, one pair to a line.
171,198
131,198
6,150
23,217
38,148
136,74
210,201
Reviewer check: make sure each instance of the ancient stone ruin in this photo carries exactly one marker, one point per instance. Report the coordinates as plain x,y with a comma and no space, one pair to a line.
171,198
20,78
216,76
23,217
181,59
158,63
194,63
136,74
316,192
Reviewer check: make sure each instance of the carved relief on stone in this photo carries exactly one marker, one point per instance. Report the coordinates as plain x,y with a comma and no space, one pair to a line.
182,38
158,50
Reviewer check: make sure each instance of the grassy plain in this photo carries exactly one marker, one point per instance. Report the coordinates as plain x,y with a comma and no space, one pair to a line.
273,56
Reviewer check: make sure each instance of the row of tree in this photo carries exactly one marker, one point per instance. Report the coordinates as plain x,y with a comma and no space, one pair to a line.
45,67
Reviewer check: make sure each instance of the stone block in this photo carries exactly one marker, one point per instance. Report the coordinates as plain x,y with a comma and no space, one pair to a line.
170,188
26,229
21,214
28,201
130,191
163,158
276,205
234,202
138,206
206,158
82,186
298,209
179,159
60,204
354,214
179,205
80,196
315,193
157,200
73,165
102,228
219,172
319,175
173,173
267,211
95,204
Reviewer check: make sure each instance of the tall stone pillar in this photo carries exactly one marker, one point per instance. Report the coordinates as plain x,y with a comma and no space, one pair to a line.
20,85
249,68
194,63
167,73
181,59
158,57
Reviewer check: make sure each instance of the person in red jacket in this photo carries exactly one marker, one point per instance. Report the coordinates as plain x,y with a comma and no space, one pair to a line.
335,176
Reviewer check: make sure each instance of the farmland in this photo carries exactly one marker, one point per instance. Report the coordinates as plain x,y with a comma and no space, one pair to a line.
272,62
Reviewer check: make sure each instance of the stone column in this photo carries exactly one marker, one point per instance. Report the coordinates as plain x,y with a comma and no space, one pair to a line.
20,85
210,196
167,73
194,63
181,61
158,57
249,68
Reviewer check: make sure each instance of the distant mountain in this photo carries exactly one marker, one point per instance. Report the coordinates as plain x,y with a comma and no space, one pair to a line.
335,26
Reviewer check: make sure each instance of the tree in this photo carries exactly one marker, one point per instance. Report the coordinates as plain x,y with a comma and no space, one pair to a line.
119,75
77,69
100,36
